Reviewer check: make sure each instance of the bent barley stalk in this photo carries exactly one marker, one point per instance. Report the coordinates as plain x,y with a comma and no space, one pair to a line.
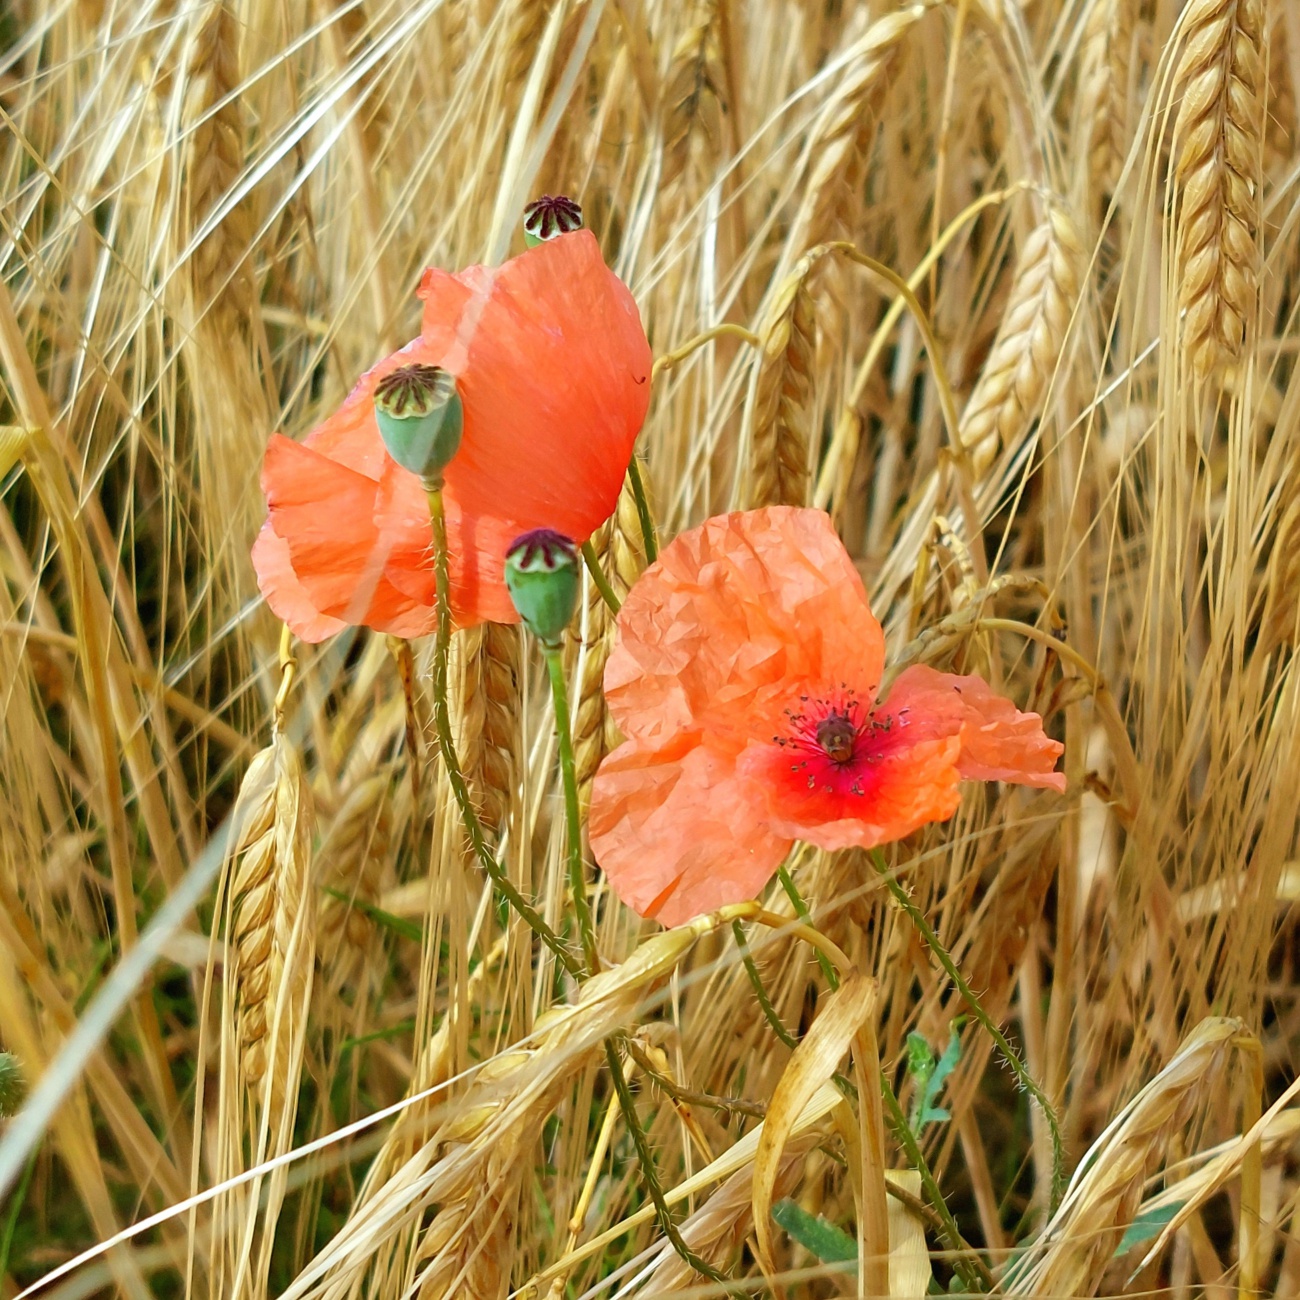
1218,136
1009,392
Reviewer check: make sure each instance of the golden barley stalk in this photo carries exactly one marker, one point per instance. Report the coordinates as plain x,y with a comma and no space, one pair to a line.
1101,1201
1009,392
489,718
272,934
1217,132
219,267
780,446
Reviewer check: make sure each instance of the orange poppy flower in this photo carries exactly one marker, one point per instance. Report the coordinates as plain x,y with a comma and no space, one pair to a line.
745,680
553,369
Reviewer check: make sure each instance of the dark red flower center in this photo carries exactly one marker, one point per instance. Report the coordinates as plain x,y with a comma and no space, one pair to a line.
837,735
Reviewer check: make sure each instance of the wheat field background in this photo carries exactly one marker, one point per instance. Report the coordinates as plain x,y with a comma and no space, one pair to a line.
1067,457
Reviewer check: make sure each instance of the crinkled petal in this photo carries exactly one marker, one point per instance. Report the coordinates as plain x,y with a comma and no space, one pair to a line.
998,742
732,613
553,367
679,832
881,801
284,593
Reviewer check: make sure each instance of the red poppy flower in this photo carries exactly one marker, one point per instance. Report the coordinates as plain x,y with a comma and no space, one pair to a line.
745,680
553,371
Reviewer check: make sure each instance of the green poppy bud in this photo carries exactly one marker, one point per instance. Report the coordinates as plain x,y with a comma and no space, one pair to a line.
542,577
420,419
551,215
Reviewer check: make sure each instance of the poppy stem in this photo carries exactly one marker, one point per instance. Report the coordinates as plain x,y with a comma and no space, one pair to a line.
442,720
755,979
966,1263
645,1158
1009,1053
648,536
598,576
802,912
572,816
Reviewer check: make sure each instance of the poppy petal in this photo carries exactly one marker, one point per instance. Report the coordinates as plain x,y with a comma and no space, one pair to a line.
998,742
874,804
325,513
285,595
554,372
679,832
730,614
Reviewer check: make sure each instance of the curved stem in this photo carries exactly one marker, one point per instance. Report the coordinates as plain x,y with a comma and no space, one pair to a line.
645,1157
598,576
756,980
728,329
966,1263
802,912
572,817
442,720
1009,1053
648,536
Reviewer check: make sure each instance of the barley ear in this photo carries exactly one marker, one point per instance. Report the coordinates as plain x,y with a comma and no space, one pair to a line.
272,932
620,550
780,446
1218,137
692,91
1105,1193
219,267
1009,393
489,718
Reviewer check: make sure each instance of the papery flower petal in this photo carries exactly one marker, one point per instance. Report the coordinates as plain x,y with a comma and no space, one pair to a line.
998,742
679,832
285,595
324,512
889,799
553,368
732,612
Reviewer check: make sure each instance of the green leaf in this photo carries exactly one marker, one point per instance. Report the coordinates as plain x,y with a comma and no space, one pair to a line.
397,924
825,1240
1147,1224
930,1076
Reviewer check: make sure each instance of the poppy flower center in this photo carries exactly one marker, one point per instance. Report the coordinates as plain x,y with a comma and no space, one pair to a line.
836,734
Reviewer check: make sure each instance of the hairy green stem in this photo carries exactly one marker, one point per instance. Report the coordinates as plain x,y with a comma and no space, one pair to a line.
648,536
969,1267
802,912
1009,1054
572,817
645,1157
598,576
442,720
755,979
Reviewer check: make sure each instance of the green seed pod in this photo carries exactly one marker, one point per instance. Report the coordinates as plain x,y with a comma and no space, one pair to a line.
542,577
551,215
420,418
